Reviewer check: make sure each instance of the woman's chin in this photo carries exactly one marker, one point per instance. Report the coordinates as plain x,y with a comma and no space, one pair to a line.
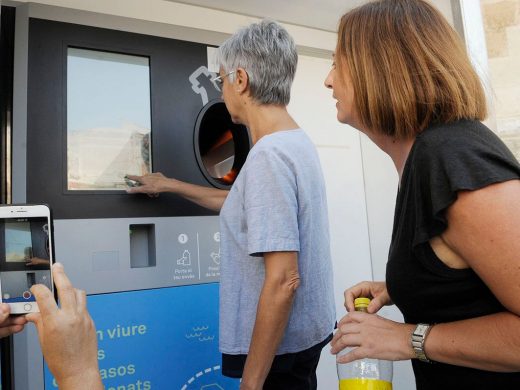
341,118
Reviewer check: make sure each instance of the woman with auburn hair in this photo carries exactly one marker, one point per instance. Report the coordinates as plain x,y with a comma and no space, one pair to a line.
402,77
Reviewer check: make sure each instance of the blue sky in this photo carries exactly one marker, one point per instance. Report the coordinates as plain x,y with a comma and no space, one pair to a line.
107,90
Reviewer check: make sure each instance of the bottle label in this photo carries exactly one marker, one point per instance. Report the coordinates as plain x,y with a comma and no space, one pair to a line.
364,384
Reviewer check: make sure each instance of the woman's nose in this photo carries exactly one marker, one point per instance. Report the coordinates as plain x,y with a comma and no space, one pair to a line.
328,80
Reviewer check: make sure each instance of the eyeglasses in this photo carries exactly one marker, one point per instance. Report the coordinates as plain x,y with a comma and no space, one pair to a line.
219,80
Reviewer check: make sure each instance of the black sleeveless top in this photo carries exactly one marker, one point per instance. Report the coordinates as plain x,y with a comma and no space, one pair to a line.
444,159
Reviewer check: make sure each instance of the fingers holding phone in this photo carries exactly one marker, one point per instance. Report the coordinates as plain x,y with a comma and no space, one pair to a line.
67,334
10,324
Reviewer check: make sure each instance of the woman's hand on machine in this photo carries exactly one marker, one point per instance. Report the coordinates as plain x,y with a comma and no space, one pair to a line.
151,184
376,291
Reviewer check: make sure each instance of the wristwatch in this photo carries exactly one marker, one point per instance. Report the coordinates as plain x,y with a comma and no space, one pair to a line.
418,338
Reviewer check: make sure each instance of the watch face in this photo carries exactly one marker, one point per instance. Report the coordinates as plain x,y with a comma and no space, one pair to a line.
421,328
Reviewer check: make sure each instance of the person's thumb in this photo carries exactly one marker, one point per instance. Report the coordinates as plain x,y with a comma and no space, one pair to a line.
35,318
4,312
374,305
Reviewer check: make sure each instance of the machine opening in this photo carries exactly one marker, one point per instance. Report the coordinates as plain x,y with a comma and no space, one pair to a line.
221,146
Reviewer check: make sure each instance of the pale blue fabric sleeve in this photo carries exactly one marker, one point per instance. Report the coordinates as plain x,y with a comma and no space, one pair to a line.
271,204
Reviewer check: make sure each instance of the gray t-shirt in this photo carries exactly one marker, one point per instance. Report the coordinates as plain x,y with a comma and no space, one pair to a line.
277,203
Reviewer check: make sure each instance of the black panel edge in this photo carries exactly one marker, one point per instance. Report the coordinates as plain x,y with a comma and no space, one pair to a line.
7,30
7,25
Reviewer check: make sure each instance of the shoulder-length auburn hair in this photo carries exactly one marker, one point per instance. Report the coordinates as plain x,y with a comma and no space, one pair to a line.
408,67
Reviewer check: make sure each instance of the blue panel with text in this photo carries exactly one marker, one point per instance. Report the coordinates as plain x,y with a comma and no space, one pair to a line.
158,339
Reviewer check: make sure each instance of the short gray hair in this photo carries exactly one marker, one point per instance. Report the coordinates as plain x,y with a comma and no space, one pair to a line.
268,54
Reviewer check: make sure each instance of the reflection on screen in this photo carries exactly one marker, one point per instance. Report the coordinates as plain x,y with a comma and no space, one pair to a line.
108,119
18,245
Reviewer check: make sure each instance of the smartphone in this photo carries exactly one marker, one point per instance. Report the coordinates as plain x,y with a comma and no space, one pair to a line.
26,254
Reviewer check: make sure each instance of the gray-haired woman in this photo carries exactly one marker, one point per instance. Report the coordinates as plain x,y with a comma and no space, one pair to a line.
276,294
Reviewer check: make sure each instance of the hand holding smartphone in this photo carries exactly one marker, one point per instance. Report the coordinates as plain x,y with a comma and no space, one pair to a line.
26,254
67,334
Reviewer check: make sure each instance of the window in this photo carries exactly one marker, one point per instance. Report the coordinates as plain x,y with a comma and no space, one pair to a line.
108,119
502,30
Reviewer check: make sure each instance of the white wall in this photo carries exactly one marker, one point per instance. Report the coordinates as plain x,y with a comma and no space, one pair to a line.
340,152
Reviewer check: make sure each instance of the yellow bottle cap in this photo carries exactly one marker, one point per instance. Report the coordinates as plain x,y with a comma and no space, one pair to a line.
361,302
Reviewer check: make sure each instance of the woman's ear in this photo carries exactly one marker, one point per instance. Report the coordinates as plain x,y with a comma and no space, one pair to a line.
241,83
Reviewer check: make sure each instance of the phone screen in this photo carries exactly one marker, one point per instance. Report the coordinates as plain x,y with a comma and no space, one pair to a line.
25,259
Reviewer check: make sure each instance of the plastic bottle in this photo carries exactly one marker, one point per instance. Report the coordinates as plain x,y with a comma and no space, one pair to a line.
364,374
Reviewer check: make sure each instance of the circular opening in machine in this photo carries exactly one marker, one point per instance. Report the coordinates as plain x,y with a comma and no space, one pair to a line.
221,146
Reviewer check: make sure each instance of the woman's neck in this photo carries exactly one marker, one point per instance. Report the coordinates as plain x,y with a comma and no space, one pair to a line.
398,150
267,119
